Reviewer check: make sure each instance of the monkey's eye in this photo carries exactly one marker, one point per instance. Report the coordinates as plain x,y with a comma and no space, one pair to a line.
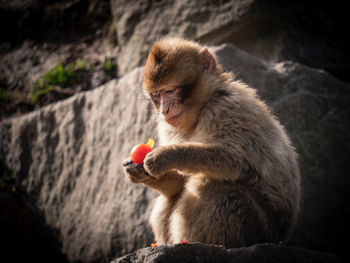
170,90
155,95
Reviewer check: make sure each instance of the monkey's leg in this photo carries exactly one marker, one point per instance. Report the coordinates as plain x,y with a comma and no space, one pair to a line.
218,213
168,184
159,219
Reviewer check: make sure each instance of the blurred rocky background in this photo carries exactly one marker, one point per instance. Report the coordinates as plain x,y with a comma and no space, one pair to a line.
71,109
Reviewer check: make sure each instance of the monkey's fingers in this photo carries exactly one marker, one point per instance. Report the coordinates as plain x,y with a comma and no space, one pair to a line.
130,163
126,162
137,174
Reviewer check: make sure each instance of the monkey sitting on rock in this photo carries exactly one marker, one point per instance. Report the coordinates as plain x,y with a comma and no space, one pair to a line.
225,169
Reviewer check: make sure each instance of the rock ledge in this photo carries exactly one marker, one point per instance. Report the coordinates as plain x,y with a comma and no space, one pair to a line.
201,253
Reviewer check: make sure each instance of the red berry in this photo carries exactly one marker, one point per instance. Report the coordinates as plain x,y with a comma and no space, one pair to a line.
139,152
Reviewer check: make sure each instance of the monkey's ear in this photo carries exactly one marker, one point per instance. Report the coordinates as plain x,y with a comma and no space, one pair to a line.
207,60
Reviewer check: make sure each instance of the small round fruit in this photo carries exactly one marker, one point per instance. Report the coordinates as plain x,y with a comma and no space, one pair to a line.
139,152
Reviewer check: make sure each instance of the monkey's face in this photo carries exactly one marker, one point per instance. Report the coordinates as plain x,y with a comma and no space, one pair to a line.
169,100
173,78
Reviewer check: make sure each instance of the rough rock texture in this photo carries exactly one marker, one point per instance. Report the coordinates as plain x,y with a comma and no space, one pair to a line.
67,157
38,35
52,20
23,229
200,253
139,23
307,32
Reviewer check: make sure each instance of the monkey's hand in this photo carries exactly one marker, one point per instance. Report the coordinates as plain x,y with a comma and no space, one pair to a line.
168,185
136,172
158,161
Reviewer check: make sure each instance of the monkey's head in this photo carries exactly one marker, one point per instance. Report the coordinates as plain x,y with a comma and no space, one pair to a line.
177,79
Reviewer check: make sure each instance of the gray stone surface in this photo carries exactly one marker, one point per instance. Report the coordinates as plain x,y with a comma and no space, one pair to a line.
139,23
201,253
67,157
311,33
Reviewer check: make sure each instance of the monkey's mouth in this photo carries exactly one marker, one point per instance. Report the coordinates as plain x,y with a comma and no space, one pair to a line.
173,119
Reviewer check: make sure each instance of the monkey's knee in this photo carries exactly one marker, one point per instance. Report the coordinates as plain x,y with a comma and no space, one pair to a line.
253,228
230,218
250,220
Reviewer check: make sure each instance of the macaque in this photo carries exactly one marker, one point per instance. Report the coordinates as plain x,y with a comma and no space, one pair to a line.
224,168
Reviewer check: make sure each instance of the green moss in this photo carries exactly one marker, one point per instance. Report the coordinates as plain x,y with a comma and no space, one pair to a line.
7,184
39,91
80,64
3,95
13,95
57,76
62,76
109,65
112,37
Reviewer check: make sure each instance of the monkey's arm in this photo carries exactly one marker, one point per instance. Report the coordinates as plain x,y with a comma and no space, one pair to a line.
169,184
215,160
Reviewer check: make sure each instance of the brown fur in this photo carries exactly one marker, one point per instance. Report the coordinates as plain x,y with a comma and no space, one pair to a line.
228,175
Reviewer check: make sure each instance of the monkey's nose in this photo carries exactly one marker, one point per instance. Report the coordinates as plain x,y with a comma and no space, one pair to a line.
165,109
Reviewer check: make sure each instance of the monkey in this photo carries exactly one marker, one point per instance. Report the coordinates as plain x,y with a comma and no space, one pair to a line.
225,169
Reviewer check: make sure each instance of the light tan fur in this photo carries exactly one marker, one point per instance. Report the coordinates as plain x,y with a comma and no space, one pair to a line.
227,174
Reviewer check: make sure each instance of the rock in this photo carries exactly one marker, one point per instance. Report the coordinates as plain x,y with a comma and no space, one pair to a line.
51,19
39,35
23,230
67,157
309,33
139,23
202,253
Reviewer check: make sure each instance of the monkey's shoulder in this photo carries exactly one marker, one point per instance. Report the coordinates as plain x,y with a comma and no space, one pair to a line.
236,112
228,107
